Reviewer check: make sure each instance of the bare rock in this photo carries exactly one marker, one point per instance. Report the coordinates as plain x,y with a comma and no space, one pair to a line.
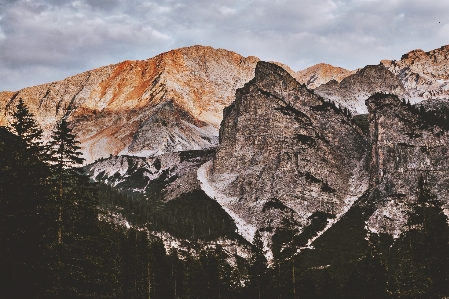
123,108
284,151
353,90
320,74
425,75
405,148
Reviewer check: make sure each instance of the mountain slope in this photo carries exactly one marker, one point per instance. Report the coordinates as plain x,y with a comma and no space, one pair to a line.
283,152
425,75
171,102
409,155
320,74
353,90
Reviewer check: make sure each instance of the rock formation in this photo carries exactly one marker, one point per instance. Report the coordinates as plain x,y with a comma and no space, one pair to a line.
406,148
284,152
171,102
320,74
425,75
169,175
353,90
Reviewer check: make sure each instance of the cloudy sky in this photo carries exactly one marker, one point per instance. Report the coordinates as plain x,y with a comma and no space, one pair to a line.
48,40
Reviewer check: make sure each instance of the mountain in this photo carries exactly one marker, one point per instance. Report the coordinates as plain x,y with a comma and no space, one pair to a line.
409,157
171,102
284,152
425,75
320,74
165,176
353,90
151,127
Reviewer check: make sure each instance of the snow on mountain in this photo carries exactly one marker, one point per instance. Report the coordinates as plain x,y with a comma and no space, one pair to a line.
425,75
353,90
171,102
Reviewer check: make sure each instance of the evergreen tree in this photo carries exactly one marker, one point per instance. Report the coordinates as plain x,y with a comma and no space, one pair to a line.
176,276
159,270
258,268
368,279
23,193
73,233
24,125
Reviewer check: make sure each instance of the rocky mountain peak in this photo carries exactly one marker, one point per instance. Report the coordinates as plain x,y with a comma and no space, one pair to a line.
408,145
353,90
414,54
284,152
425,75
320,74
117,108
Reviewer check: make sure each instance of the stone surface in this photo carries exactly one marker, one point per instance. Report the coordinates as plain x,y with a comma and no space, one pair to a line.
404,148
284,151
171,102
172,174
353,90
320,74
425,75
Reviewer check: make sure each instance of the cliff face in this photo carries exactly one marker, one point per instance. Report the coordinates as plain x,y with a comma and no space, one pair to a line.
283,151
409,155
320,74
425,75
353,90
167,175
171,102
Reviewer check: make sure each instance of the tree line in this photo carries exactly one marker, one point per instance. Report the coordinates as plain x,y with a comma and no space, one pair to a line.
57,241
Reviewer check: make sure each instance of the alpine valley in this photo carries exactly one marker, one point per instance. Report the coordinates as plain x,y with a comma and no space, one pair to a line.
223,176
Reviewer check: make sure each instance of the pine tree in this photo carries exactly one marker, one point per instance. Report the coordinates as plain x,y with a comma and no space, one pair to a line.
419,259
24,191
22,195
176,275
24,125
258,268
73,254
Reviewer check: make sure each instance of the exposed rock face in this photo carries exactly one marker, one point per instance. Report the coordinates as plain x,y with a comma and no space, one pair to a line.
170,174
353,90
425,75
283,151
404,150
320,74
171,102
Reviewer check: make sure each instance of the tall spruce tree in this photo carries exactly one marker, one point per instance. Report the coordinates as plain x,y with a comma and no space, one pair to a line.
23,194
24,125
74,252
258,268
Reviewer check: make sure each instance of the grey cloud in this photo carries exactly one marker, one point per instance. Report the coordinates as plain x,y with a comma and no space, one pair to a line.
62,37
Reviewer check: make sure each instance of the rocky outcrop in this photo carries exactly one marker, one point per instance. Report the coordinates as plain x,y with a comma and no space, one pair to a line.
166,176
353,90
320,74
284,152
406,148
172,102
425,75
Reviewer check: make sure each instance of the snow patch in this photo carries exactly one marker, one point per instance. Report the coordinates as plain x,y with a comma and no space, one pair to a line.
213,190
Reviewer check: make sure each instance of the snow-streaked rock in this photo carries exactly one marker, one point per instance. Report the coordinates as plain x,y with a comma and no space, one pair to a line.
425,75
177,170
283,152
404,150
353,90
171,102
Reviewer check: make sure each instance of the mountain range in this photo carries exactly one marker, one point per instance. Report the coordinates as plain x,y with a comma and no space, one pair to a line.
273,147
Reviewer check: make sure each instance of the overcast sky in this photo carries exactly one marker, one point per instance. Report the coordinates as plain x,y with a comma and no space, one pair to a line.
48,40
